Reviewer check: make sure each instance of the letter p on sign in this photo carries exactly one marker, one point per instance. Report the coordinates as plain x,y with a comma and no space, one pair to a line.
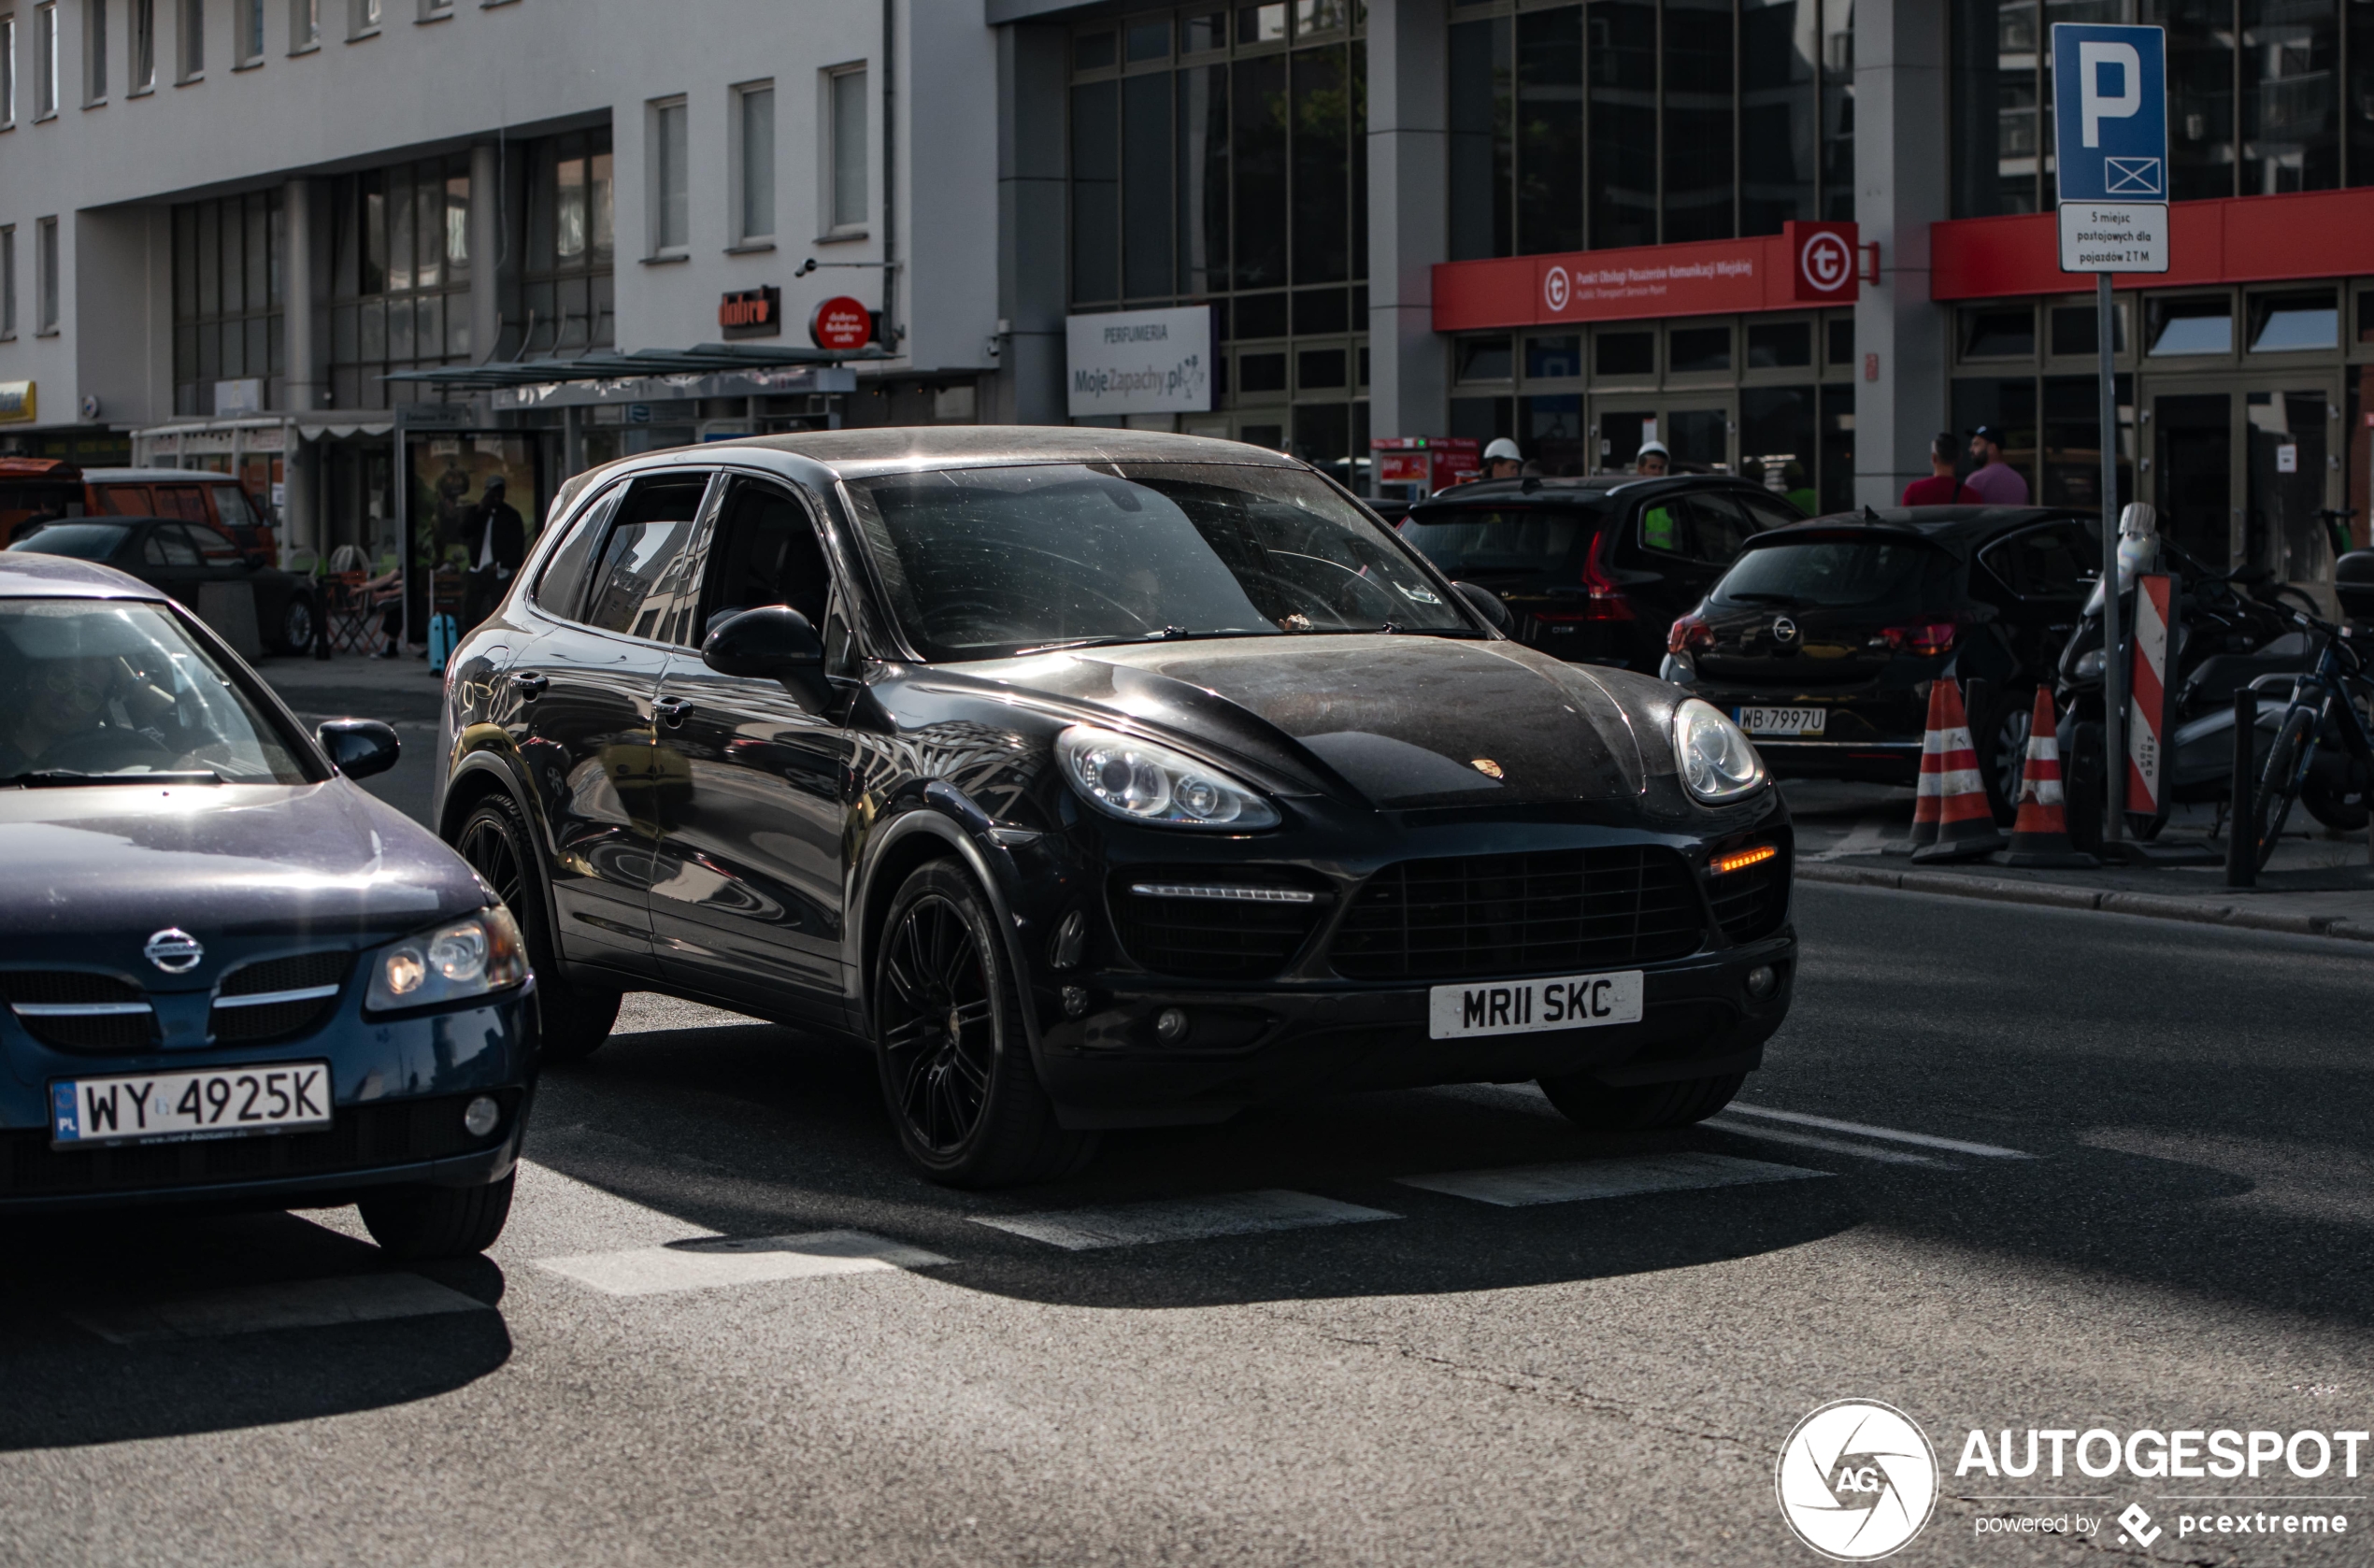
2097,60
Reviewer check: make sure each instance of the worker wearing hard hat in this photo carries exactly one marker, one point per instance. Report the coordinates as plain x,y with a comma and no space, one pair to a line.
1502,460
1652,460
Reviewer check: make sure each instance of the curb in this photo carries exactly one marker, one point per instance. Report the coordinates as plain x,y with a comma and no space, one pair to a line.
2055,895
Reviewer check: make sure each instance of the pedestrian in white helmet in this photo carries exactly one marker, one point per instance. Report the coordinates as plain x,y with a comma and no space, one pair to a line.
1502,460
1652,460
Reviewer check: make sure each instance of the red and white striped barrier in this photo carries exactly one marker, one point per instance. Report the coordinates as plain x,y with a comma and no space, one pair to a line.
2148,706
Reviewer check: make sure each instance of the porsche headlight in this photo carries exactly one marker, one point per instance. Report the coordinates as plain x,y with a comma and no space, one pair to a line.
2089,664
1139,781
448,962
1716,761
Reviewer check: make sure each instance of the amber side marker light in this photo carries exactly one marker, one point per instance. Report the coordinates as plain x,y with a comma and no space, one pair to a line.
1740,860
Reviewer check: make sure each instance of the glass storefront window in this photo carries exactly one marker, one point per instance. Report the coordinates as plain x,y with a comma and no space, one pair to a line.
1697,349
1777,72
2189,326
1998,333
1780,345
228,319
1626,353
2295,321
2073,330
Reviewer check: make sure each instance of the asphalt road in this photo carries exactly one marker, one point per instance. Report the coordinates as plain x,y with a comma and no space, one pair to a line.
1413,1375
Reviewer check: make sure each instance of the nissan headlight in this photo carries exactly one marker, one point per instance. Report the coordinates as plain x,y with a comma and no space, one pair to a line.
448,962
1139,781
1716,761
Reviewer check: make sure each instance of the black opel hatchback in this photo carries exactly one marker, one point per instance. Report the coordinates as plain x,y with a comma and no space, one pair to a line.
1595,569
1822,640
1100,780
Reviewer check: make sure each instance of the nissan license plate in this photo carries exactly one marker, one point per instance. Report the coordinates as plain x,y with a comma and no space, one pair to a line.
1529,1007
170,1107
1799,721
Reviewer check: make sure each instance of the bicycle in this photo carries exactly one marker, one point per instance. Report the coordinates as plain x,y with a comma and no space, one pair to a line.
2329,694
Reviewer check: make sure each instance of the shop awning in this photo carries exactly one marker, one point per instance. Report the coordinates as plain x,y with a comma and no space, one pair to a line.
707,358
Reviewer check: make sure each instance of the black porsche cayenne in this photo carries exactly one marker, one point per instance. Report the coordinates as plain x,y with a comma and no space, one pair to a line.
1100,780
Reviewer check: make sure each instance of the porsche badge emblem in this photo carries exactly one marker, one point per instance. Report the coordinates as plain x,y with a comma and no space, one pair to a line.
1486,767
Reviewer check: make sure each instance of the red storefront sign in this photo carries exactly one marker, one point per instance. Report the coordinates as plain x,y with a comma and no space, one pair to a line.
842,323
1805,266
1432,461
2237,239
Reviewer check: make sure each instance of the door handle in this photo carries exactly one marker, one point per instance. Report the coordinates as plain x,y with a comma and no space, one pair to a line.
530,685
673,709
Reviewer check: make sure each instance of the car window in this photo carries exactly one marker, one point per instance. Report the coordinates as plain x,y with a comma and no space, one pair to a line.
634,578
231,507
766,553
1765,511
125,501
1718,528
84,541
181,501
1837,572
2056,561
214,547
170,544
559,588
95,687
1483,539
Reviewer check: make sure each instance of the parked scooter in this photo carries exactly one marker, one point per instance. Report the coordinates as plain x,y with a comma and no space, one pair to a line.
2231,630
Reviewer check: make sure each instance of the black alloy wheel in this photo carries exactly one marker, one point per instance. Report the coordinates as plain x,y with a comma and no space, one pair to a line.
296,625
948,1039
575,1018
2003,735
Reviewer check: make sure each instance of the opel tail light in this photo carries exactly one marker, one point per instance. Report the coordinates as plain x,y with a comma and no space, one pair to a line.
1688,634
1928,641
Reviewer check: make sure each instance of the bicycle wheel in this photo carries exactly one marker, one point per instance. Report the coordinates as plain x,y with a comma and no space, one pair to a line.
2280,781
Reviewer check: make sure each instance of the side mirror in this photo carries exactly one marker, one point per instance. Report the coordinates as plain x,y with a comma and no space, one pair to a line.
774,643
1486,604
358,747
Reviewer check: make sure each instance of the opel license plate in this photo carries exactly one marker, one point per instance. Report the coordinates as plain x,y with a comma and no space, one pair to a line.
1530,1007
171,1107
1797,721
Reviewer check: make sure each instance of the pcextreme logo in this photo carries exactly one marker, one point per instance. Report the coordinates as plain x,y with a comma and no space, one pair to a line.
1856,1481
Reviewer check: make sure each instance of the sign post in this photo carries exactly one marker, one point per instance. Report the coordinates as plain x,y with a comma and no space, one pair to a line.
2110,155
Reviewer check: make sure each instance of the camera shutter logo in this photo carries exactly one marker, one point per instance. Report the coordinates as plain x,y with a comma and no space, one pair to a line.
1556,289
1827,260
1856,1481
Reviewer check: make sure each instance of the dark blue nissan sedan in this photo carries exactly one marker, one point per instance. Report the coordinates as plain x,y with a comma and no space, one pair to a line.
233,977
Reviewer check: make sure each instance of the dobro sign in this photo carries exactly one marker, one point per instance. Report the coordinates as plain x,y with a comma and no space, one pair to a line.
1806,265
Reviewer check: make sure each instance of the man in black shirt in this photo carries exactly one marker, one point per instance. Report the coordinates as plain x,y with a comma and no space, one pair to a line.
497,541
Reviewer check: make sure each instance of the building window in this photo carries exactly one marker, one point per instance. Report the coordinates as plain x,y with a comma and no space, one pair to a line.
363,18
45,276
227,321
249,16
847,204
45,62
7,71
753,161
7,280
94,51
567,288
671,172
305,26
143,64
435,11
192,19
399,276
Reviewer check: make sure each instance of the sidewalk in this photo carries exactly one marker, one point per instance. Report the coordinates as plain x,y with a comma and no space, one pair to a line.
2316,885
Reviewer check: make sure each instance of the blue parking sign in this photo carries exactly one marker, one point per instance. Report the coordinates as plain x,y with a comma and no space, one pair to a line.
2110,112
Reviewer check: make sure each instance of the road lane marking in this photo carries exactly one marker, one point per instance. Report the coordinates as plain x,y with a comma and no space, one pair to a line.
1234,1214
1807,1140
1576,1180
1925,1140
292,1303
710,1264
1866,837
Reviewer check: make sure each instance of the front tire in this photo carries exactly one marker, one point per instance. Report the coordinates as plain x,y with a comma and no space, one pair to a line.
1643,1108
575,1018
950,1041
417,1224
296,625
2004,727
2280,782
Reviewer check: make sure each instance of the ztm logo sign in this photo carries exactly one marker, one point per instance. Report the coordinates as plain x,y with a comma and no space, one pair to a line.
1556,289
1857,1480
1826,262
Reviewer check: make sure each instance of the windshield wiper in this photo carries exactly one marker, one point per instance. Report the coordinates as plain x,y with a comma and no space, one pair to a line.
62,779
1164,633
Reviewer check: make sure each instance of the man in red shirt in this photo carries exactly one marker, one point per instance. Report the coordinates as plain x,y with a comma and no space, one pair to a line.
1941,488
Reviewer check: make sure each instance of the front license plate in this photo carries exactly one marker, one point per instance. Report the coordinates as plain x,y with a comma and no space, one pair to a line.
1782,721
1529,1007
169,1107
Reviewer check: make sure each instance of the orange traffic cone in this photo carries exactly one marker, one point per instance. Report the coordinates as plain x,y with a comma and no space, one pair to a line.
1930,792
1966,822
2040,837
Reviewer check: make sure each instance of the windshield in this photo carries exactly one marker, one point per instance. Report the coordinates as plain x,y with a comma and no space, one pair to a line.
84,541
1830,572
1529,539
119,691
985,563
